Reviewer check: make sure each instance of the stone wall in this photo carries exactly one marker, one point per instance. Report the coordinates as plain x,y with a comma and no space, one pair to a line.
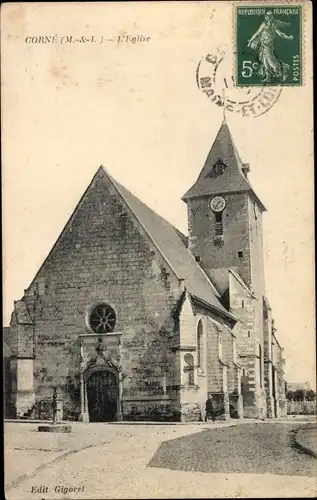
255,219
246,307
153,408
103,255
192,394
207,375
201,222
268,375
278,363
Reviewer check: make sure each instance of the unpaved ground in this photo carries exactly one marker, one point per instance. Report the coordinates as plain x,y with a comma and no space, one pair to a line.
126,461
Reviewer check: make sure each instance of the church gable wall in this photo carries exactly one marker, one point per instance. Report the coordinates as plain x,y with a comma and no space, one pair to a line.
103,255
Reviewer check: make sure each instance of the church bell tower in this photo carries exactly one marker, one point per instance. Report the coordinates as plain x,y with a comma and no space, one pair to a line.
225,216
225,237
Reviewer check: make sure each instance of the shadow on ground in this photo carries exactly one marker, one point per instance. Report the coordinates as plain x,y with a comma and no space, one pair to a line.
306,439
251,448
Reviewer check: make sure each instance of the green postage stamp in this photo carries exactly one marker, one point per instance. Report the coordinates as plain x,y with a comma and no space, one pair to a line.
268,43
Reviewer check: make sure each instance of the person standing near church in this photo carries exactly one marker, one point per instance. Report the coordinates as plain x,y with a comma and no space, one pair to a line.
210,413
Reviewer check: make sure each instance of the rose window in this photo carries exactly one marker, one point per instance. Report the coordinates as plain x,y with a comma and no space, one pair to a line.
102,319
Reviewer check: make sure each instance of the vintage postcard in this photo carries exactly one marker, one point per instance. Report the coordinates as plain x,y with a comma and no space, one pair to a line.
158,250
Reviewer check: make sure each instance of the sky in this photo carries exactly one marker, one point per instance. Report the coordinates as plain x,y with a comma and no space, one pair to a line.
136,109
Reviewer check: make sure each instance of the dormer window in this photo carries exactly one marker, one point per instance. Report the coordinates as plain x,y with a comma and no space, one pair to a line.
217,169
200,346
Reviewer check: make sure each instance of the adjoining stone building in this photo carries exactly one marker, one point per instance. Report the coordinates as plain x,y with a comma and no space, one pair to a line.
273,367
130,319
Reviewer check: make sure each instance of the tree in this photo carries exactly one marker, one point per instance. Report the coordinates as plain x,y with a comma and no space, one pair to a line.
310,395
299,395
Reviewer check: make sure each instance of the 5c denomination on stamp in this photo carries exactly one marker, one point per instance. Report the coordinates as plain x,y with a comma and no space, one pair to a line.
268,45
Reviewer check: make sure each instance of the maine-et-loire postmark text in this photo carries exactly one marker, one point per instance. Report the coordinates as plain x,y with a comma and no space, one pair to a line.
213,78
268,45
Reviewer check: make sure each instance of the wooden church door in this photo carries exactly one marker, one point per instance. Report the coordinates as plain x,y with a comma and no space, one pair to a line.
102,395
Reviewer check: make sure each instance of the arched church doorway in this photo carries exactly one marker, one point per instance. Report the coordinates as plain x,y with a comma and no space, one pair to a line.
102,396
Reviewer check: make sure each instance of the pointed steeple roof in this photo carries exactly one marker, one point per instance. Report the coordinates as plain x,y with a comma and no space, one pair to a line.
223,171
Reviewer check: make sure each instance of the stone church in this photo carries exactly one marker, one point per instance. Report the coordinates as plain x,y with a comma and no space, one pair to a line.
130,319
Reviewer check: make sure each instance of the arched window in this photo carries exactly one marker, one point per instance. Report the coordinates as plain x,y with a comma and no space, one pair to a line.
234,350
189,376
220,344
200,359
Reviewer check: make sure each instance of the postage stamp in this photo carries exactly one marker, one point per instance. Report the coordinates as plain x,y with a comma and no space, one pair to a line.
268,45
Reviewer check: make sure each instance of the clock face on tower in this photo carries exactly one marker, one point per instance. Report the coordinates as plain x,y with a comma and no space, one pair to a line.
217,204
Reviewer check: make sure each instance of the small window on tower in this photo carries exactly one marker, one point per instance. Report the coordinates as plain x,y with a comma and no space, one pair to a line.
240,254
197,258
218,168
219,225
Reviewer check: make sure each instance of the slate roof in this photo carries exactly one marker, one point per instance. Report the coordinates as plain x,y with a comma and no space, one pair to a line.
171,243
232,180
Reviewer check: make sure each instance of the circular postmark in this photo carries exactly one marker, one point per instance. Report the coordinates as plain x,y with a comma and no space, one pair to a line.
214,80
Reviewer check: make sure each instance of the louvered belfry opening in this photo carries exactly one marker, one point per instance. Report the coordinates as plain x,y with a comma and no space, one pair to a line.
219,225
